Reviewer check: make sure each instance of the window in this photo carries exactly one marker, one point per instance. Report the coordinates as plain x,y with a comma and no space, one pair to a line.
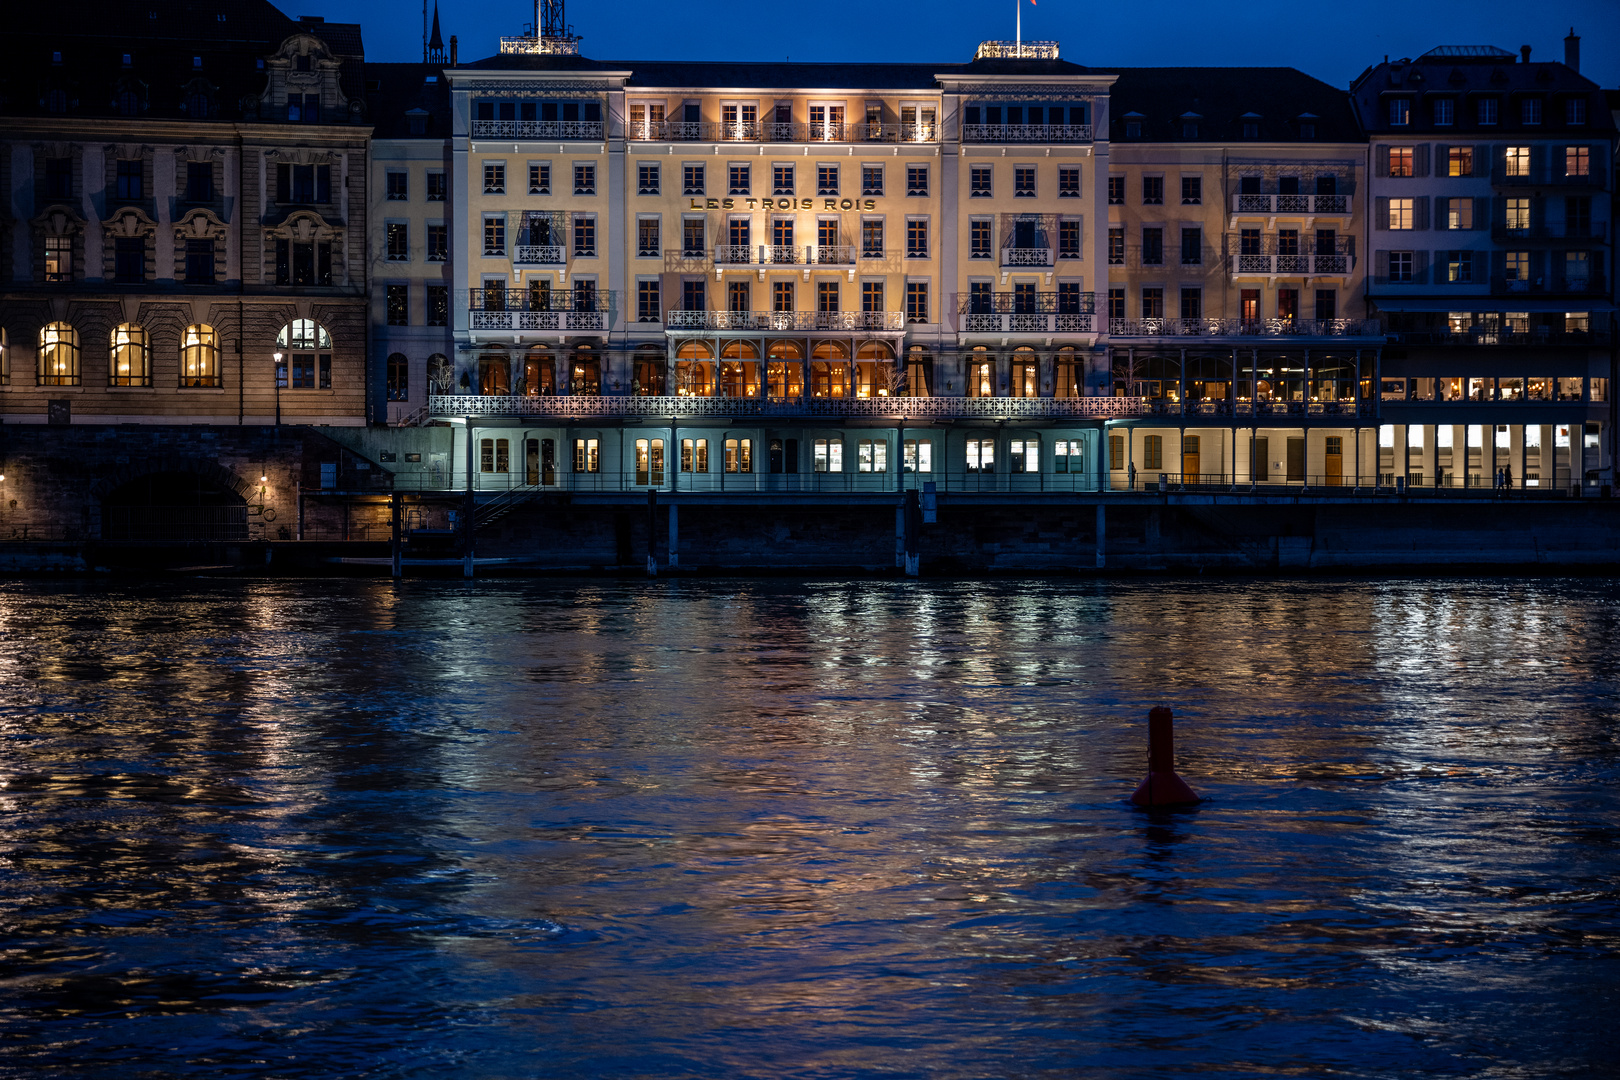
199,262
588,455
917,180
1068,239
737,298
916,238
1116,303
438,305
585,235
199,356
981,455
1069,183
1152,247
494,455
647,307
200,181
1192,247
1516,160
399,305
129,183
399,377
130,359
58,258
1327,304
979,183
646,179
692,180
826,179
694,455
1400,161
436,188
438,243
1192,190
59,178
1575,112
826,296
917,456
1530,111
979,239
1400,266
1152,303
916,302
494,178
1401,214
1443,111
781,296
495,234
1459,213
739,455
1577,161
871,179
694,295
647,237
871,296
650,462
1153,452
1024,455
1485,111
584,178
1459,267
1152,191
1516,214
692,236
872,238
1024,182
303,183
396,186
738,180
397,241
1400,112
1116,191
539,180
129,259
1251,130
306,350
58,355
829,455
1460,161
1192,303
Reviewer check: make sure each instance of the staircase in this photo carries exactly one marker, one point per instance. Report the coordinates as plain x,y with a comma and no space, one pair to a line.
492,511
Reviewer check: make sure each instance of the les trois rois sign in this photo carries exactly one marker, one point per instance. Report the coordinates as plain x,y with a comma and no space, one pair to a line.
783,204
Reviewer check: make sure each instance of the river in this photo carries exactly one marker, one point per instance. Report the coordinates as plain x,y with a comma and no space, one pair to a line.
807,828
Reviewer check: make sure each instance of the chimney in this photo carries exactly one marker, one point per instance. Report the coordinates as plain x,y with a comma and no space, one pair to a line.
1572,51
453,50
1524,54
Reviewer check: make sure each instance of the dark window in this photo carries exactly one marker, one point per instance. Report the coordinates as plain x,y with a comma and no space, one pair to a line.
647,240
129,179
692,180
1152,303
1068,239
647,180
399,377
1192,247
694,296
1192,303
584,179
585,235
1069,183
916,180
1068,298
303,264
1116,191
399,305
1192,190
871,239
539,178
692,236
916,301
435,187
1152,247
738,180
199,261
979,242
871,179
199,181
826,180
303,183
1152,190
438,243
917,240
647,309
1116,303
129,259
1116,246
397,190
1024,182
59,178
438,305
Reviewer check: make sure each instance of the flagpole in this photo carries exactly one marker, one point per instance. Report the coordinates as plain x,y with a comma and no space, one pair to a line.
1020,31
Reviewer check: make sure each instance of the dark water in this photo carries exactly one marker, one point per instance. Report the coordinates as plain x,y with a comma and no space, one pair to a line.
807,829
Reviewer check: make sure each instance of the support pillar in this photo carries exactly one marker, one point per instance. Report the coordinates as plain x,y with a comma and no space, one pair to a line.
1102,536
674,536
467,511
652,532
395,546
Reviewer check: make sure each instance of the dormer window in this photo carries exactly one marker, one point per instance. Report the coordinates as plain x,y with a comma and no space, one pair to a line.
1575,112
1251,125
1133,125
1189,125
126,60
1530,111
196,62
56,58
1400,112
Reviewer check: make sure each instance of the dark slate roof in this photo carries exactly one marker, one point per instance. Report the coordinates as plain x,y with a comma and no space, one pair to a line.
398,89
787,76
1221,97
161,37
1438,73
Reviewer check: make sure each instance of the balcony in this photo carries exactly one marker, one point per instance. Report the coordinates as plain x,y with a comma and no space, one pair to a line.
786,320
539,255
1027,312
1251,328
772,132
1030,134
1493,335
1291,204
885,407
1593,231
1026,256
579,130
559,309
1589,286
1500,177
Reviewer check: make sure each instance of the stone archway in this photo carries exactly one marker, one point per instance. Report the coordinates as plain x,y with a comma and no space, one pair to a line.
174,499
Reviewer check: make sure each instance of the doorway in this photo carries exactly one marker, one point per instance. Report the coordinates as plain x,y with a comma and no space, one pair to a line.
1189,459
1333,460
1260,467
1296,460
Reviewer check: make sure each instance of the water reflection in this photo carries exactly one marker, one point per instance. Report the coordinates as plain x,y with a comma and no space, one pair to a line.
821,829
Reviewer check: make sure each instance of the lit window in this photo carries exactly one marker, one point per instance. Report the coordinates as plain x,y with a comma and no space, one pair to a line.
1400,214
739,455
1577,161
981,455
1517,160
829,455
58,355
306,360
1400,161
872,456
588,455
58,258
199,356
1460,161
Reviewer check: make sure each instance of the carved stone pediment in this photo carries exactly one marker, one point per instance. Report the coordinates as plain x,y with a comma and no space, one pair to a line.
200,224
304,226
59,220
129,222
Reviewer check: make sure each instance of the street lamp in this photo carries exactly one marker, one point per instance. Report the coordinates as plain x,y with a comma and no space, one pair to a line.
277,355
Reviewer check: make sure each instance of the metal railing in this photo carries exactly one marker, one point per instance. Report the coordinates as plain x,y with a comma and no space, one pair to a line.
986,303
1367,328
891,407
1016,50
1290,204
770,131
1590,230
1026,256
539,255
559,309
785,320
1487,335
537,129
1036,134
1026,322
1592,285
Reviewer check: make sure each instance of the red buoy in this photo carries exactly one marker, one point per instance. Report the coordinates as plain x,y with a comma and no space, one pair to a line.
1162,786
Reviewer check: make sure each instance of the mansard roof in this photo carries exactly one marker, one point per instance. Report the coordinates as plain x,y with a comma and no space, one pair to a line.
1448,72
1221,96
397,90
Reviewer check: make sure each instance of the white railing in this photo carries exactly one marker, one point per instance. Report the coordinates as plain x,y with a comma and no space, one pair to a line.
1365,328
734,253
538,254
1026,133
831,255
1290,204
1039,322
541,46
785,320
537,129
878,407
537,320
1033,256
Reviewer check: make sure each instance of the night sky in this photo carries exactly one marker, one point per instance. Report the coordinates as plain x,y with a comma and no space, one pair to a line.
1332,41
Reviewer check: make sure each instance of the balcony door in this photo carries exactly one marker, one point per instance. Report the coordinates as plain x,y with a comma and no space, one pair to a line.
1191,464
1333,461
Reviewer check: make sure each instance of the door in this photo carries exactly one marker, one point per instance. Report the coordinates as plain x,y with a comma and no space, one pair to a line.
531,461
1023,234
548,461
1296,460
1333,460
1260,467
1189,459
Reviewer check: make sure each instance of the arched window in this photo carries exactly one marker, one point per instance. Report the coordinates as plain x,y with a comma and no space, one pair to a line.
494,374
1070,372
1026,372
981,373
694,376
650,368
197,106
58,355
829,370
875,371
585,378
130,358
199,356
784,370
399,377
539,374
129,103
441,374
919,372
306,350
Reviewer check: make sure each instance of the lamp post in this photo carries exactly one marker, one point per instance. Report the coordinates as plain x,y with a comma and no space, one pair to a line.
277,355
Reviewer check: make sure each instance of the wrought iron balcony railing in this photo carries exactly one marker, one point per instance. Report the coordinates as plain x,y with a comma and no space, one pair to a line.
885,407
1028,322
1034,134
1026,256
539,255
557,309
1217,327
1025,303
538,129
767,131
785,320
1290,204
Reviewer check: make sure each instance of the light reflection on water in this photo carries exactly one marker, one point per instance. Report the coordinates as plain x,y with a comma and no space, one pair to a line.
817,829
